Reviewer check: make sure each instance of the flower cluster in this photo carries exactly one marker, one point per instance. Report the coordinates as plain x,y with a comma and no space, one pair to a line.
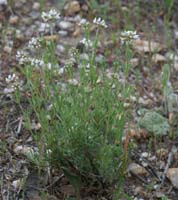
51,15
74,53
13,83
34,43
127,37
100,22
11,78
88,43
69,63
37,62
22,58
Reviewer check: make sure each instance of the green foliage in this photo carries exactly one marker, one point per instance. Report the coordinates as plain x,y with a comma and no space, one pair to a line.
82,120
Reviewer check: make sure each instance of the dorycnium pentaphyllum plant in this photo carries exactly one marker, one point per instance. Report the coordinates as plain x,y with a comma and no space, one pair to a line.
81,113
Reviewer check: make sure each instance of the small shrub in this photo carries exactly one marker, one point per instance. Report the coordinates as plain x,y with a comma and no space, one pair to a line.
82,115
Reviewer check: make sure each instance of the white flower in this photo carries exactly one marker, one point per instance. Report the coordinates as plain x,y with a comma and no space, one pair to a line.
61,71
74,52
36,62
128,36
49,66
3,2
69,63
88,43
13,83
11,78
51,15
100,22
22,58
84,22
34,43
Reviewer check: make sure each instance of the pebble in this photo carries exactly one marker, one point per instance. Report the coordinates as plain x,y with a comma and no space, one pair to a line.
62,33
176,34
64,25
60,48
36,6
26,20
172,175
19,35
134,62
16,184
13,20
136,169
72,7
3,2
8,49
34,15
156,58
25,150
99,58
144,155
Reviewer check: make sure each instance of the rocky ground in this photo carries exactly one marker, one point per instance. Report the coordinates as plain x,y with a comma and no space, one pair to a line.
152,171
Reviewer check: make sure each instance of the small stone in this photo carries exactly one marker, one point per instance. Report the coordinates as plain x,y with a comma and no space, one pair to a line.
62,33
145,164
16,184
8,49
159,194
34,14
60,48
19,35
136,169
3,2
25,150
65,25
176,34
134,62
13,20
144,155
77,31
36,6
172,175
144,46
157,58
138,190
72,8
99,58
